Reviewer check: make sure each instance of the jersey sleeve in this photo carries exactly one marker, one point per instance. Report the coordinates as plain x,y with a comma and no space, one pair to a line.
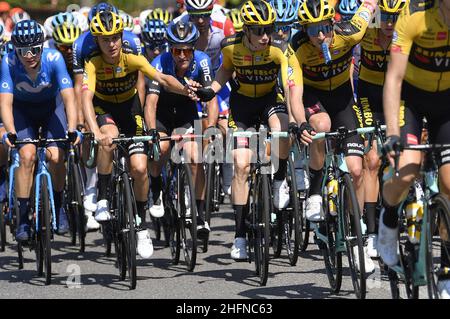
295,73
153,87
60,71
227,61
353,31
206,71
6,85
78,61
140,63
89,76
405,31
282,60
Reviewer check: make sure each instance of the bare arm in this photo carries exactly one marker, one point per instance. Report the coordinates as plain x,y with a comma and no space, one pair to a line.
213,112
392,92
171,84
151,105
222,77
297,108
140,86
68,97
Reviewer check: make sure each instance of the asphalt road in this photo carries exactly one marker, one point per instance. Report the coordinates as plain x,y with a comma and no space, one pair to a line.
217,276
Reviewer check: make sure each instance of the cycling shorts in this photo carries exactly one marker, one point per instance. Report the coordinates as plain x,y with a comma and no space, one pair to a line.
340,105
370,102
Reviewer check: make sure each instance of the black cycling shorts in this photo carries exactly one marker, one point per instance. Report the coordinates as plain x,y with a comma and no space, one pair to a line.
340,105
127,116
247,112
434,106
370,102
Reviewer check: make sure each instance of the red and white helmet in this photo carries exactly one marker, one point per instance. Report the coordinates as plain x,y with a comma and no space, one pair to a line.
199,5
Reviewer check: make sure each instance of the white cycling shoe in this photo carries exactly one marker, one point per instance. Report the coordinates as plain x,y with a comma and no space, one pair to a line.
102,213
239,249
314,209
144,244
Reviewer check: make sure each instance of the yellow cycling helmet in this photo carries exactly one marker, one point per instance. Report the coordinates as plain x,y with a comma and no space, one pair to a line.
66,33
160,14
312,11
235,16
392,6
257,13
106,23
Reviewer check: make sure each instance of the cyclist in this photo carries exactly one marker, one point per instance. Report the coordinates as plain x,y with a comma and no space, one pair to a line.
111,101
83,47
328,92
165,111
153,37
161,14
55,22
235,16
417,85
5,18
257,63
34,87
374,58
200,13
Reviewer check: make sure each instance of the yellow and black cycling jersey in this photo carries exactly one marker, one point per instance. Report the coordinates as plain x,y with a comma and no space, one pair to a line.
256,72
115,83
318,74
374,59
421,33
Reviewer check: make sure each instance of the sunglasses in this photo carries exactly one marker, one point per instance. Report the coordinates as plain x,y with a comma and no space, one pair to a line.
64,48
314,30
35,50
259,31
186,52
388,17
197,16
160,46
283,28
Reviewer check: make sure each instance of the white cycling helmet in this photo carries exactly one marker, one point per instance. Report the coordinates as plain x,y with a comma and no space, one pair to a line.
48,26
128,23
20,16
143,17
82,21
199,5
85,11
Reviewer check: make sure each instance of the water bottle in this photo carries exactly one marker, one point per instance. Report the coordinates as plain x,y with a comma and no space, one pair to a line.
332,190
414,214
326,53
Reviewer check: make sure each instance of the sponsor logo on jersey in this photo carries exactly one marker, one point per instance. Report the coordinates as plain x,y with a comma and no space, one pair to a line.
441,35
365,16
53,56
108,70
118,70
247,58
412,139
26,87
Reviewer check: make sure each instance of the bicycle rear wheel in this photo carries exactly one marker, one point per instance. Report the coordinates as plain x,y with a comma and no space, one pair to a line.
210,198
331,257
2,227
438,252
43,236
261,225
351,222
129,231
294,225
76,204
187,210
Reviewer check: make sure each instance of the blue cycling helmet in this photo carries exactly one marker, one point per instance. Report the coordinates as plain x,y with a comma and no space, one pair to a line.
6,48
154,31
102,6
182,32
27,33
285,10
348,7
62,17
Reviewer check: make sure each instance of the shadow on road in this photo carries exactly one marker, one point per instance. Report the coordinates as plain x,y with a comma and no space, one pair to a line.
304,291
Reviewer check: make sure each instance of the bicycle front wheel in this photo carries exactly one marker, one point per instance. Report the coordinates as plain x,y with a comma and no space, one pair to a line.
187,210
294,224
43,236
351,221
76,205
128,228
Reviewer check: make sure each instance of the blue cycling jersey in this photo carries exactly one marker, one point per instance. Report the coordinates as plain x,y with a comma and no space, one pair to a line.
85,45
51,78
200,69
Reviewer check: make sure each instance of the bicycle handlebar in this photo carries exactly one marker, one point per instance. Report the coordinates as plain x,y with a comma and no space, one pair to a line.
344,133
272,134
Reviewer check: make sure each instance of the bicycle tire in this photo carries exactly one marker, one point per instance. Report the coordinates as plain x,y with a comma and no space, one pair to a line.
209,197
2,227
77,205
44,233
295,221
117,224
130,234
12,224
439,213
169,197
261,225
276,234
332,259
351,221
188,226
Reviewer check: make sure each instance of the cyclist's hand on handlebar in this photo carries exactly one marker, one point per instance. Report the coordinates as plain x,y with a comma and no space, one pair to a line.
9,139
103,139
154,134
392,148
306,132
75,137
205,94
